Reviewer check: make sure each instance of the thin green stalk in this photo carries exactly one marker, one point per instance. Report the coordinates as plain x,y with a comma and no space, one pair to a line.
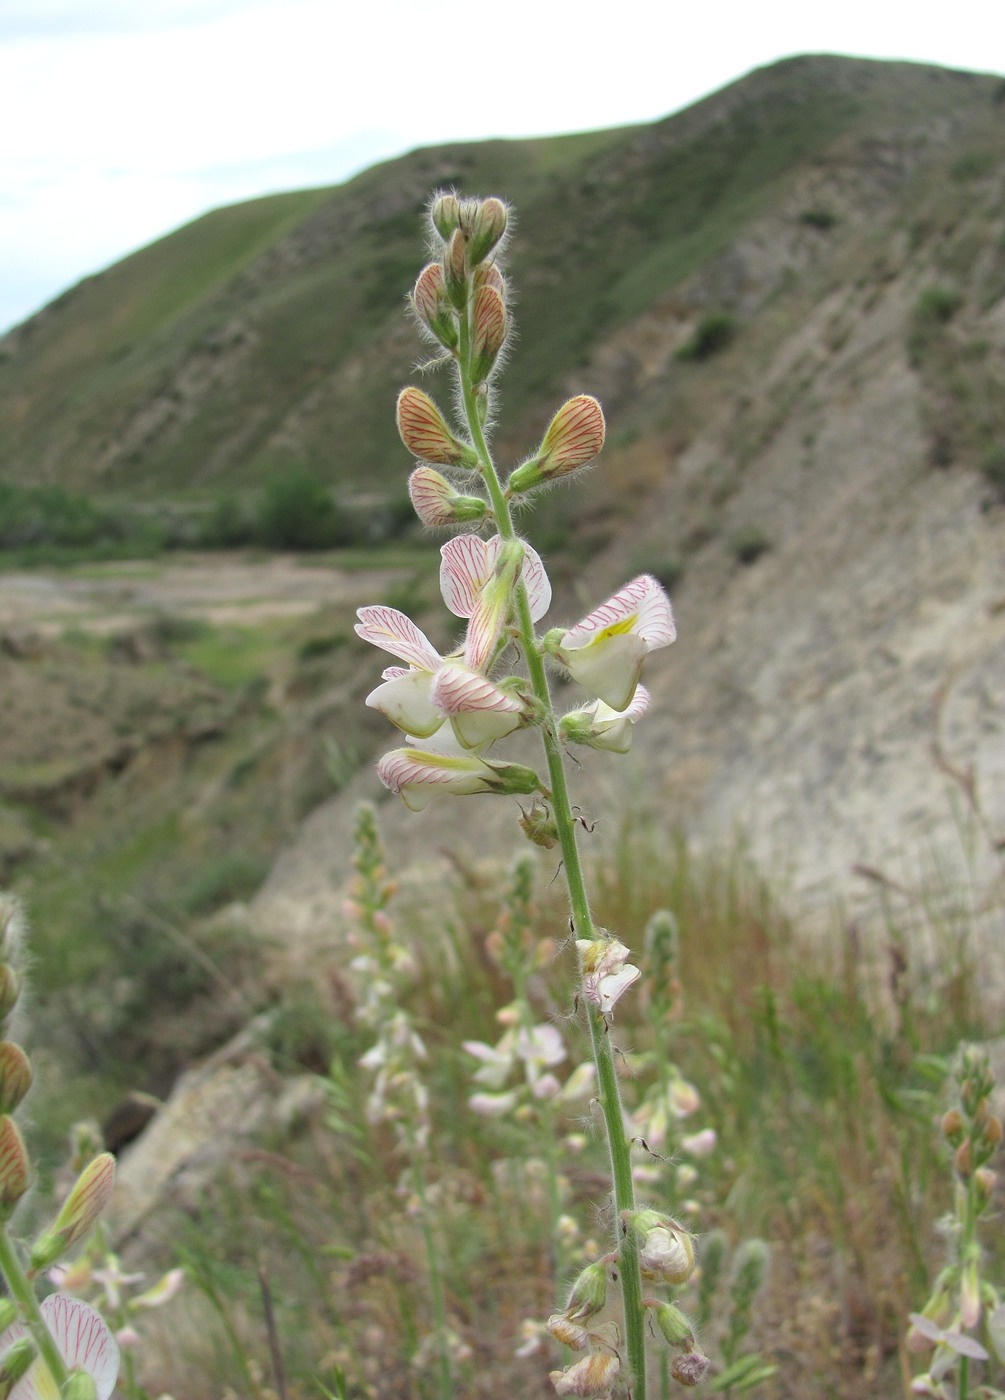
603,1052
24,1295
435,1283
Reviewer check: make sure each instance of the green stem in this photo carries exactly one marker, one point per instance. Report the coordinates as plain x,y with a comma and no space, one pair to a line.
435,1281
24,1296
603,1051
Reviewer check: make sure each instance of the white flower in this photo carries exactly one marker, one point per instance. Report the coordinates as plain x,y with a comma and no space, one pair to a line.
602,727
83,1341
405,695
419,775
476,580
605,651
607,974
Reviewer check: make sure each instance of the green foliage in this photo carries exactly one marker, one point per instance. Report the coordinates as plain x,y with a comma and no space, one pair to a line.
993,466
711,335
748,543
819,217
298,512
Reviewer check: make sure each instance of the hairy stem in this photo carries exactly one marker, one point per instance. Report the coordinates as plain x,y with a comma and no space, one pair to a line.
603,1051
24,1295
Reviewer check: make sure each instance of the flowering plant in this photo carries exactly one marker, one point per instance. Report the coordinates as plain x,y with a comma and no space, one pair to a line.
455,709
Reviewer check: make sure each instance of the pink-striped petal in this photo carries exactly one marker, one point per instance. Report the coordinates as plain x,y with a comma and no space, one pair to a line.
468,563
641,607
392,631
465,569
83,1341
418,775
479,711
536,582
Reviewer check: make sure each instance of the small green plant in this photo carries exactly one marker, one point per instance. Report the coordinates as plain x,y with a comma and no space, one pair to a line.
819,217
748,543
713,334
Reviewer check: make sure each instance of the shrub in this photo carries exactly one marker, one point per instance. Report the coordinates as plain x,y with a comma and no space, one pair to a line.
748,544
713,334
298,511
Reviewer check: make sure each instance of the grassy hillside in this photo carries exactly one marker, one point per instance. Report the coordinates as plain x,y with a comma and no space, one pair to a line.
270,332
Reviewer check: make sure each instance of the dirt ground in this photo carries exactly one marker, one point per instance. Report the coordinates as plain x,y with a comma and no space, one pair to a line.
220,588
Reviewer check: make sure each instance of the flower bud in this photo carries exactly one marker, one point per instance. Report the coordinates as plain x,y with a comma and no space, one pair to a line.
588,1294
432,305
437,503
963,1160
991,1131
80,1386
80,1210
673,1324
690,1367
10,990
489,275
15,1076
952,1127
8,1313
985,1181
487,228
488,332
455,272
15,1171
445,215
424,431
574,437
539,826
15,1362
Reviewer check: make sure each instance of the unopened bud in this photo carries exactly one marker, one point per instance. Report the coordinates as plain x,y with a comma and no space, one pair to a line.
10,990
539,826
423,430
8,1313
15,1075
953,1126
991,1131
437,503
445,215
80,1386
488,332
672,1323
689,1367
455,270
82,1207
14,1363
432,305
963,1160
574,437
985,1181
750,1269
487,228
15,1172
489,275
588,1294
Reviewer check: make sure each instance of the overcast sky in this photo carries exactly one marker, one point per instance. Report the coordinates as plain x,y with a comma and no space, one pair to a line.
123,119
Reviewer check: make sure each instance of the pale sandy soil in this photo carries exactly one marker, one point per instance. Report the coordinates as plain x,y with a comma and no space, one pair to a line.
219,588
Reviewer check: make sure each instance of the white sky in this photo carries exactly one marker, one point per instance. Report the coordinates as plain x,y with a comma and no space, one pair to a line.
123,119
